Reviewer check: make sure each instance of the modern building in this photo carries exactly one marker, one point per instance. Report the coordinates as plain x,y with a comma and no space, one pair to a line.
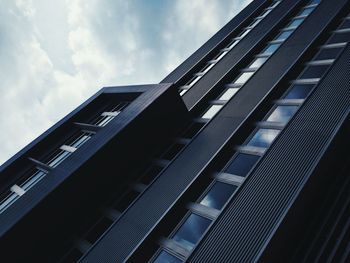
241,154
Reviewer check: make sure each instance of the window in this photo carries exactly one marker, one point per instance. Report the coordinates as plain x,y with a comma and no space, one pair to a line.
207,68
244,33
328,53
80,140
275,4
299,91
243,78
339,38
228,94
314,71
282,114
193,81
59,158
296,22
210,113
242,164
191,231
284,35
265,12
312,2
306,11
182,92
263,138
165,257
220,55
258,62
270,49
36,177
255,22
233,44
218,195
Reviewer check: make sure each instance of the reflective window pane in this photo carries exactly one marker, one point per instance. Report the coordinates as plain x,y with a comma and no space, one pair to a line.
314,2
282,113
193,81
271,48
263,138
165,257
265,12
255,22
257,63
242,164
306,11
191,231
59,158
314,71
284,35
328,53
296,22
339,38
299,91
243,78
207,68
210,113
244,33
228,94
218,195
232,44
221,55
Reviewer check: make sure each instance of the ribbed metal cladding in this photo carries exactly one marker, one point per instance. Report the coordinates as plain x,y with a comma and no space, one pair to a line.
248,223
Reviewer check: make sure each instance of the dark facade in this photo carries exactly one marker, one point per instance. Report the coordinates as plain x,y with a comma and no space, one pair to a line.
239,155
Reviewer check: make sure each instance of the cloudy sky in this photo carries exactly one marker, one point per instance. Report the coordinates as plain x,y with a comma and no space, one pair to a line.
54,54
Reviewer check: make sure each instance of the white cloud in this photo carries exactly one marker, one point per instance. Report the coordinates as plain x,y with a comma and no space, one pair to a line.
101,43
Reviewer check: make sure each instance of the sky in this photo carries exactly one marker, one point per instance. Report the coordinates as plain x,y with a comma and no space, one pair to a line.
54,54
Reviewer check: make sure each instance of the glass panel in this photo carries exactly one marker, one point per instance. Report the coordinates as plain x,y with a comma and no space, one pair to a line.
221,55
244,33
345,24
314,2
275,4
257,63
228,94
296,22
284,35
36,177
81,141
243,78
218,195
191,231
105,121
242,164
207,68
270,49
232,44
210,113
299,91
59,159
314,71
165,257
8,201
328,53
182,92
306,11
339,38
193,81
263,138
282,113
255,22
265,13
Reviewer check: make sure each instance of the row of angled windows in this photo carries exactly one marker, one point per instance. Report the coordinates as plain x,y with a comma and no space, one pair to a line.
53,159
194,225
223,52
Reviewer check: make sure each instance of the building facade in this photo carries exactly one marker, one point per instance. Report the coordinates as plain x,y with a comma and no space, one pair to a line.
238,155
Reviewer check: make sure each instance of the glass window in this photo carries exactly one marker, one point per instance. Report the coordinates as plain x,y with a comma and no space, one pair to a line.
242,164
270,49
314,71
255,22
80,141
243,78
284,35
193,81
328,53
345,24
314,2
36,177
266,12
339,38
210,113
228,94
232,44
59,158
165,257
221,55
282,113
296,22
263,138
258,62
191,231
218,195
207,68
182,92
275,4
299,91
306,11
244,33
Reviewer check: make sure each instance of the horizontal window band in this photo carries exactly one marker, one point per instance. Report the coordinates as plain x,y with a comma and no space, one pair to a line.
174,248
340,31
336,45
305,81
204,211
270,125
320,62
289,102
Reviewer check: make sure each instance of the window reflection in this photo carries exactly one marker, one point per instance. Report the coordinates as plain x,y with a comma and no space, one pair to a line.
257,63
228,94
191,231
242,164
282,113
270,49
243,78
218,195
263,138
299,91
296,22
210,113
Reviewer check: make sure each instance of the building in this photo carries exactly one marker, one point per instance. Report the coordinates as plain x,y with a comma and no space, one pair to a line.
239,155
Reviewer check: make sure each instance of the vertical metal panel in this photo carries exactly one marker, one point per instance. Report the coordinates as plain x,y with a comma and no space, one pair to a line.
249,222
